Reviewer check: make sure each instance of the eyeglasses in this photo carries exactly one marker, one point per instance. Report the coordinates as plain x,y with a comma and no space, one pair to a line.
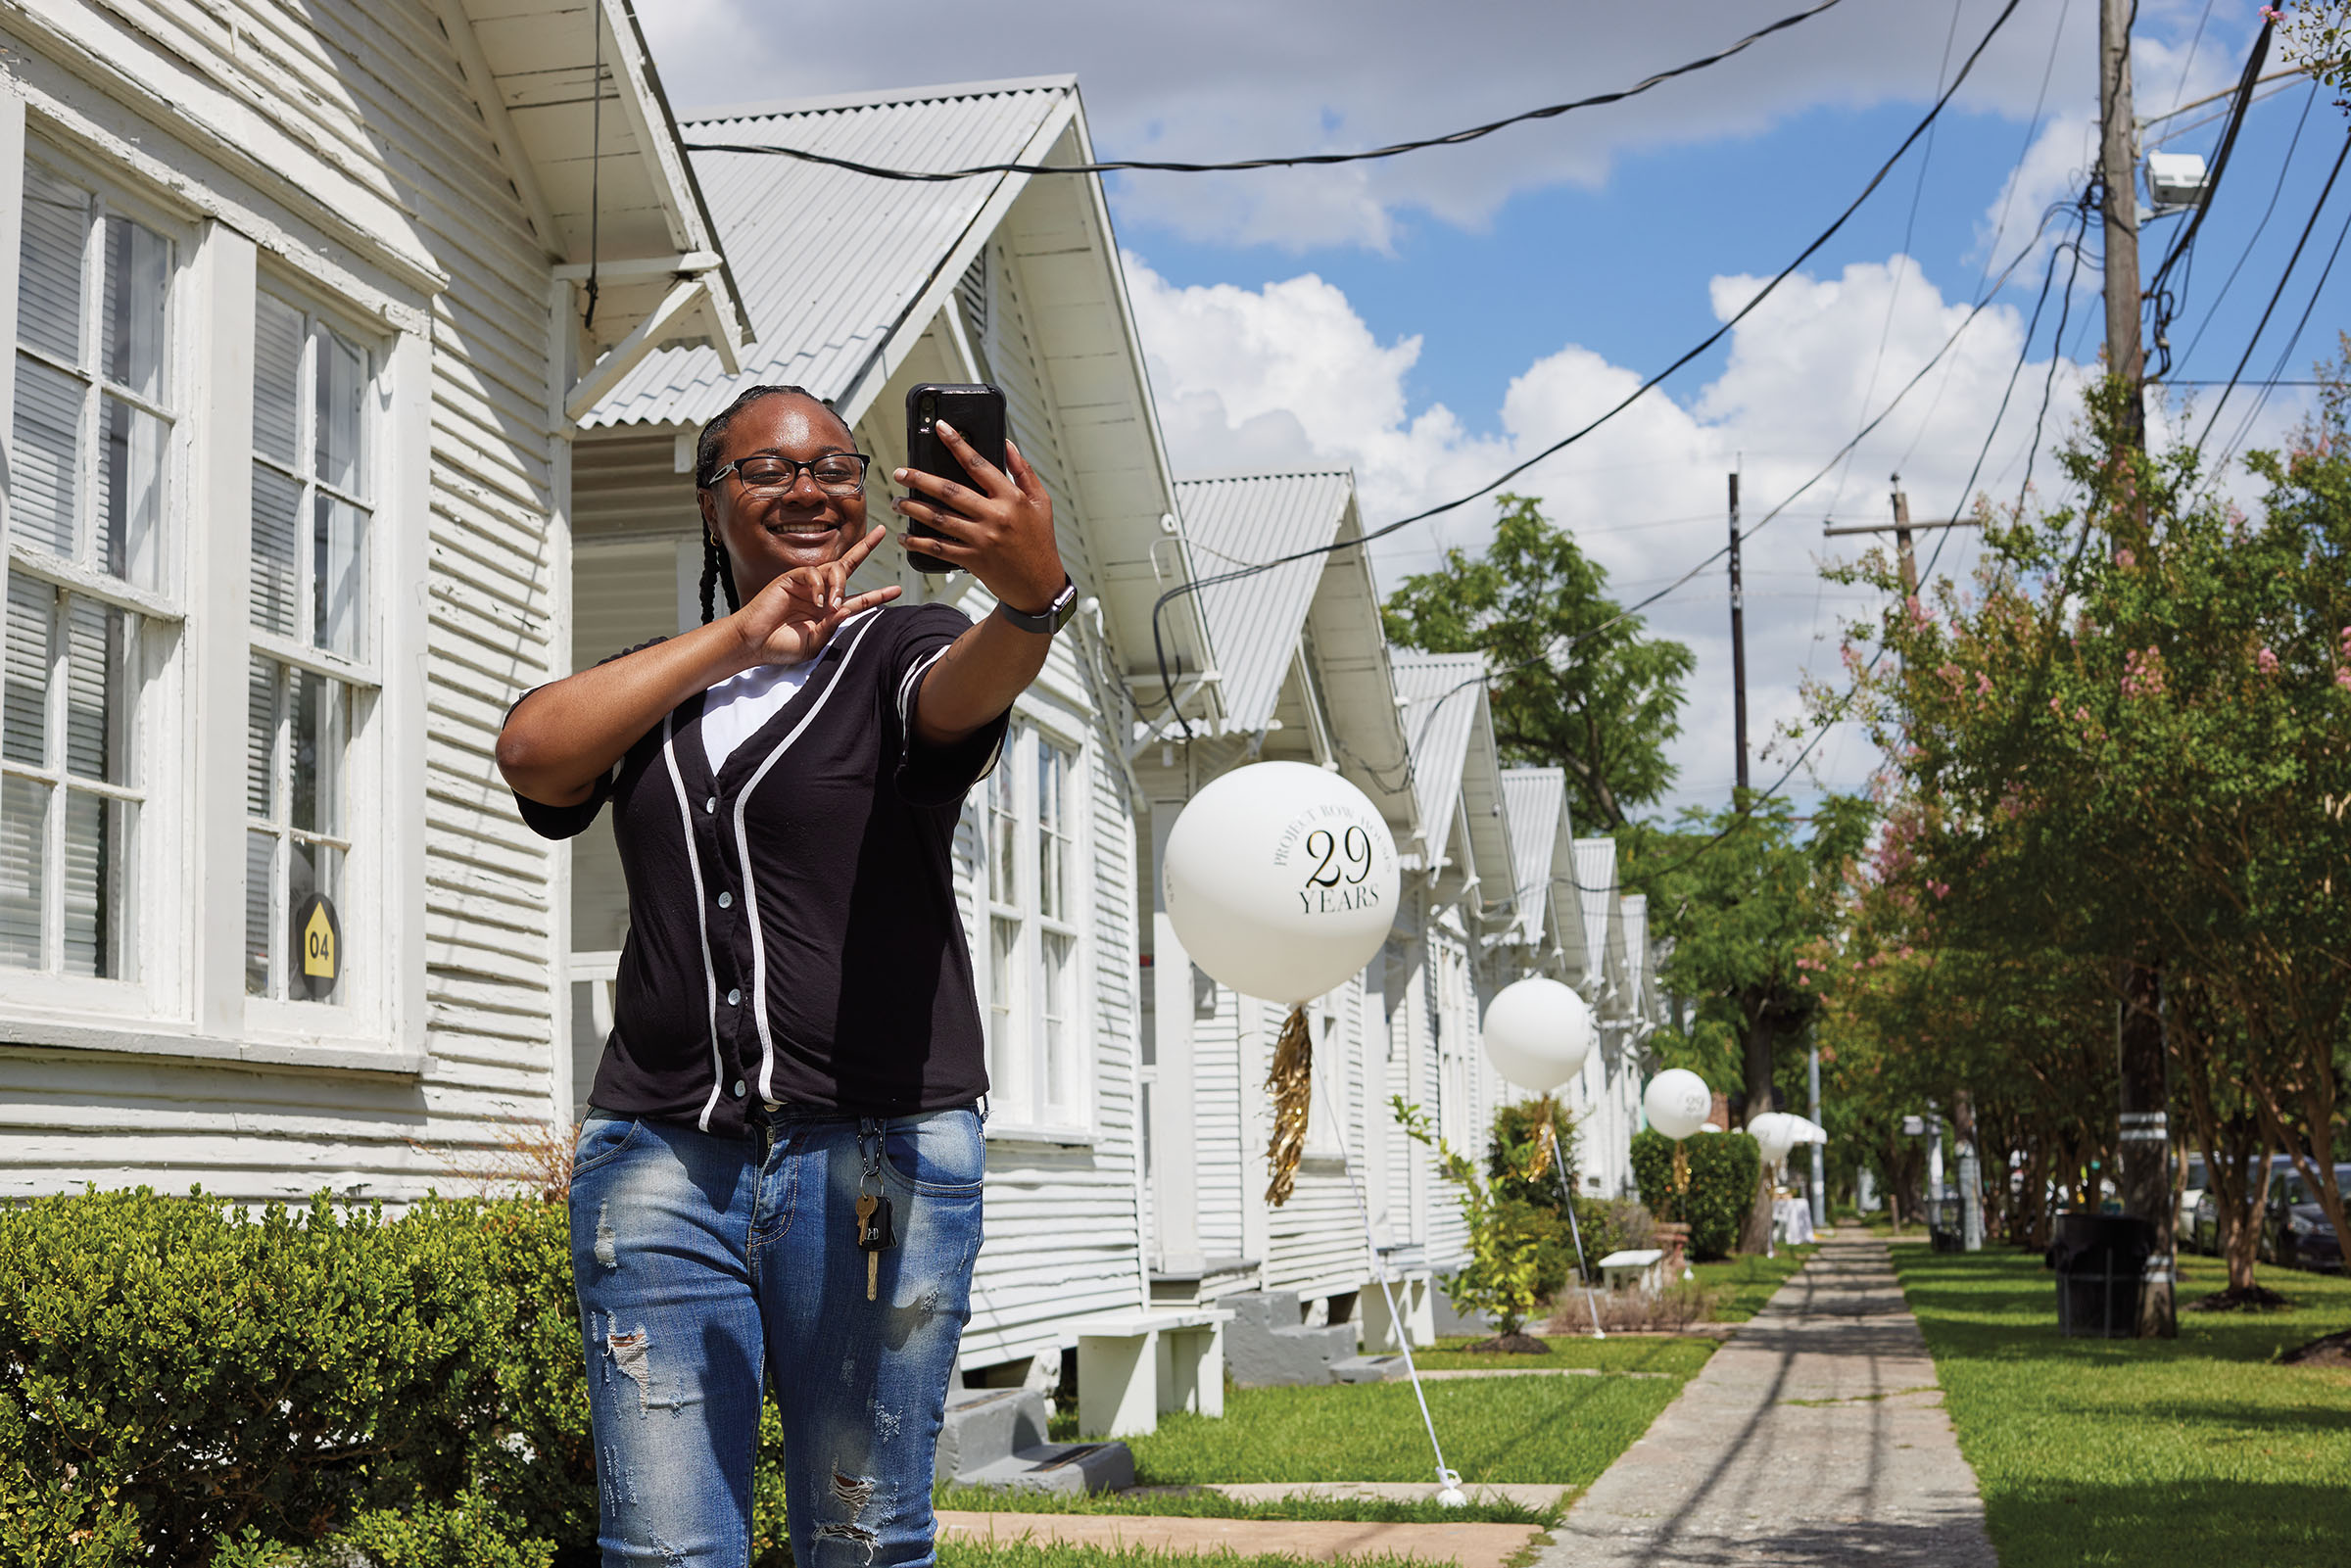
837,473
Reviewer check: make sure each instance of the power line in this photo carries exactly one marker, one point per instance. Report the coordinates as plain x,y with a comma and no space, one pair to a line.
1195,586
2277,189
2158,297
1297,161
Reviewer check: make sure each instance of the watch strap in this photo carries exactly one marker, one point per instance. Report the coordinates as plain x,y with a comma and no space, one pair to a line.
1049,620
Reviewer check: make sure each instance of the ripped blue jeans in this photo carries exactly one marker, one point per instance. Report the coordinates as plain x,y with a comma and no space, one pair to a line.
707,1268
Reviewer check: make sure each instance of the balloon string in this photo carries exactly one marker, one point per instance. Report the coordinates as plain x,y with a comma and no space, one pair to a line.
1379,1269
1292,1082
1582,1269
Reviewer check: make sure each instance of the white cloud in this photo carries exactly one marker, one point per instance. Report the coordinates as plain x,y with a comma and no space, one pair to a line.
1226,79
1289,375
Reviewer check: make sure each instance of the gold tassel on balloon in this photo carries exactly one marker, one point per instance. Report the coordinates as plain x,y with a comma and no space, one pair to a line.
1547,1142
1292,1084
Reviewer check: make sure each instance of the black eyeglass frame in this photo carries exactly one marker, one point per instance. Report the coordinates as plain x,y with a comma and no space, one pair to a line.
864,464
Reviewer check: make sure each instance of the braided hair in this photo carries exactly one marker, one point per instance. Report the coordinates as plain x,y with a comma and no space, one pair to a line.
717,571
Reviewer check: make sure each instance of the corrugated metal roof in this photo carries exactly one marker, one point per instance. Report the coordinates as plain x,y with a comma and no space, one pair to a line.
1596,873
1253,623
830,262
1441,693
1533,799
1636,946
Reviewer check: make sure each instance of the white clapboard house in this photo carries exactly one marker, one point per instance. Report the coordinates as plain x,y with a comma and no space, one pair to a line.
303,302
859,289
1303,667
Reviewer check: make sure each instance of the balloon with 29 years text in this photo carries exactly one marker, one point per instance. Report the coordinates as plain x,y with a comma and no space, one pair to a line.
1537,1033
1281,880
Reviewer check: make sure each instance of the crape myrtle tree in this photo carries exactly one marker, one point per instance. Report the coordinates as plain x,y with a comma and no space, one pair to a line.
1579,685
2130,750
1743,898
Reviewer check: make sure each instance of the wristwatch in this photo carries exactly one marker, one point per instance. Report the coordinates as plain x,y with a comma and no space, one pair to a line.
1049,620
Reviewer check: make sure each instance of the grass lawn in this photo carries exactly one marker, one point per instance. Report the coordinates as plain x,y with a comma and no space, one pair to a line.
1561,1430
2195,1451
1216,1505
1680,1357
1750,1280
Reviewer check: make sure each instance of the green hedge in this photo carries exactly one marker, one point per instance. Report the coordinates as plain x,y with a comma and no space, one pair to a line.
182,1383
1724,1167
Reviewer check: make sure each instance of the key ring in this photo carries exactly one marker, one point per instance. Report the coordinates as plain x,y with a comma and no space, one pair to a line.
872,1157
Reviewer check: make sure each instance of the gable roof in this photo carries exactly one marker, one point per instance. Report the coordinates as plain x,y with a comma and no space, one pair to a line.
595,160
833,263
1440,693
1254,621
1534,800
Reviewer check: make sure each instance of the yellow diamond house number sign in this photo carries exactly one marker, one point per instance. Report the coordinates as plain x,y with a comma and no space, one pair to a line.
317,948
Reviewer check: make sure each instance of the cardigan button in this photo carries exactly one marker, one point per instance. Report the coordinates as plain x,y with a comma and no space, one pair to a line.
733,997
710,805
738,1089
725,900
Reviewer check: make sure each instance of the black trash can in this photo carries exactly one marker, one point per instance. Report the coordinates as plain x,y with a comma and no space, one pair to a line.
1943,1225
2101,1263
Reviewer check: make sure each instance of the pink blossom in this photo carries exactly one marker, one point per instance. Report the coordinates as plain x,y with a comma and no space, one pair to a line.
2125,559
2143,673
2342,676
2058,707
1918,611
1983,684
1938,889
2266,661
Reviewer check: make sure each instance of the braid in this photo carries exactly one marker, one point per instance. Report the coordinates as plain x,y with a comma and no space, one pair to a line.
710,554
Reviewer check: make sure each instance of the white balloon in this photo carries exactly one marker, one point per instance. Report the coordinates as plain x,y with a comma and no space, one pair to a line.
1776,1132
1281,880
1678,1102
1537,1033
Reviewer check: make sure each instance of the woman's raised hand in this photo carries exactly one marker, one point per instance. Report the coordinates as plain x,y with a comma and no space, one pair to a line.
1001,532
792,619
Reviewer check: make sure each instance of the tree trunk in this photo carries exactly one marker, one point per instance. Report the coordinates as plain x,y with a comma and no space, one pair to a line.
1754,1235
2142,1176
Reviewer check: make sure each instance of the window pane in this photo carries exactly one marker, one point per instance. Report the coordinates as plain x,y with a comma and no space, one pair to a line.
138,260
25,711
320,706
1003,838
263,695
276,379
97,689
56,230
276,536
23,806
1048,824
48,425
260,863
312,868
339,585
1059,1076
1003,1003
130,491
97,905
342,389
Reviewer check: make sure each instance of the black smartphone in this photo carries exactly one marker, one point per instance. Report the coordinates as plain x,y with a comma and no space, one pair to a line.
977,414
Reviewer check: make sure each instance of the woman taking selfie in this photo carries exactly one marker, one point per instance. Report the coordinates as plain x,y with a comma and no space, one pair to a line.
779,1176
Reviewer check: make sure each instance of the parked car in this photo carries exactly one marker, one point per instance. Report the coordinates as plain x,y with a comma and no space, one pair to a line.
2202,1233
2299,1234
2192,1192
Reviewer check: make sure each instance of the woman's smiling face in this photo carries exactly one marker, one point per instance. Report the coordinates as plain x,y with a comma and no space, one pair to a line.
770,532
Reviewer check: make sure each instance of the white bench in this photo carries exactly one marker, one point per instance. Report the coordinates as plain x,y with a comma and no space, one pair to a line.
1641,1267
1134,1366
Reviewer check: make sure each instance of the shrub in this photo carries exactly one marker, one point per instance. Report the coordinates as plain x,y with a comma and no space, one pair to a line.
1724,1167
183,1383
1611,1225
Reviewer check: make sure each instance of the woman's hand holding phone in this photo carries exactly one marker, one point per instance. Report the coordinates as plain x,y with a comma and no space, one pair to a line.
1001,532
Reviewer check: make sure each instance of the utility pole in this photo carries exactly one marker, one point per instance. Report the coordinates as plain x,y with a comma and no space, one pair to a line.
1738,643
2145,1144
1819,1192
1901,528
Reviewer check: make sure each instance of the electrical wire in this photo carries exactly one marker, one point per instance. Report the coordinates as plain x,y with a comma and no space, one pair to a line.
2158,299
2277,189
2246,426
2276,294
1297,161
1195,586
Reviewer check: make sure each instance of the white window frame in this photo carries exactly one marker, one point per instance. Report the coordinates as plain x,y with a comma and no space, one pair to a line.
361,1002
189,1003
159,946
1018,1070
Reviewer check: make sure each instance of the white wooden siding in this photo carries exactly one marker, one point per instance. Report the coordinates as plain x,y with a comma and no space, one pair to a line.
369,101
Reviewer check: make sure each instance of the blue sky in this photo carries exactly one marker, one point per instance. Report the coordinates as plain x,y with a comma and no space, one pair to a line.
1428,320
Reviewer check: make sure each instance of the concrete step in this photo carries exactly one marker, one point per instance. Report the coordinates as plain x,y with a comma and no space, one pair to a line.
1070,1468
987,1426
1266,1345
1367,1369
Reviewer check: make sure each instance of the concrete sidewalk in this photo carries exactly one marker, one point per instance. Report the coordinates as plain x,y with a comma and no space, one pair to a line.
1817,1434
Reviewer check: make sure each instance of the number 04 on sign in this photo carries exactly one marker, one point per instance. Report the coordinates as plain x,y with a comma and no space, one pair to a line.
317,948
